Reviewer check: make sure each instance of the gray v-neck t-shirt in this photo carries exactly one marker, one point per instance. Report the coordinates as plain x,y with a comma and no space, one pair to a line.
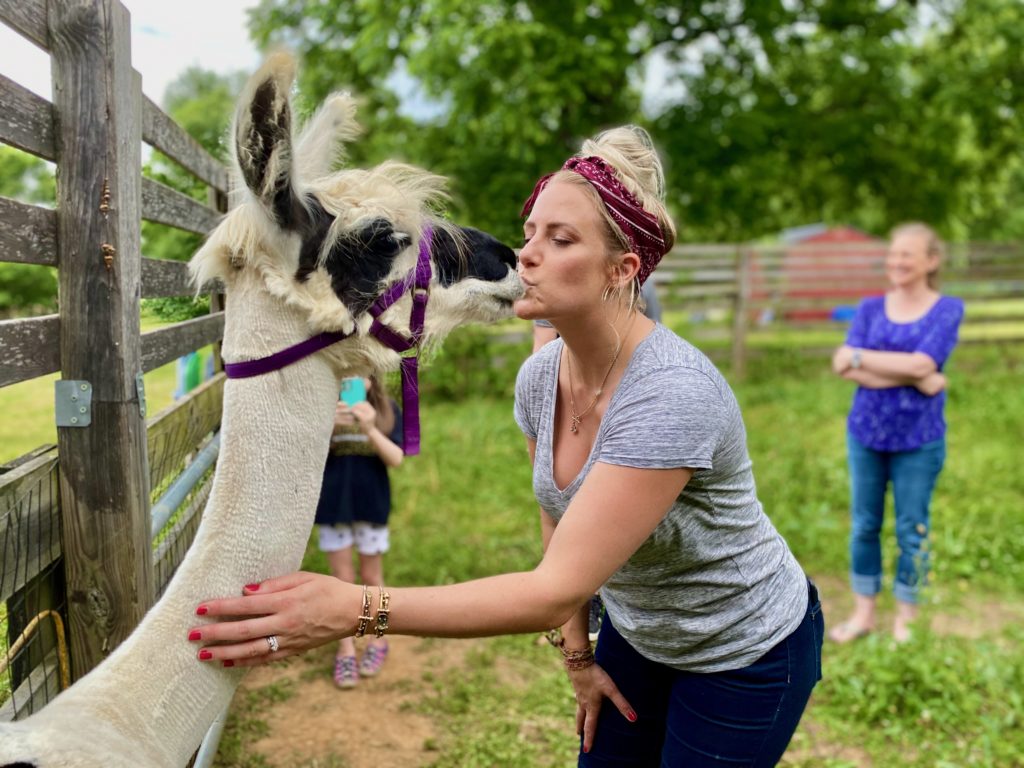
715,586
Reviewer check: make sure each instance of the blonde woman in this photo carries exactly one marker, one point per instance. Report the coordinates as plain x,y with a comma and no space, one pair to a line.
896,430
711,641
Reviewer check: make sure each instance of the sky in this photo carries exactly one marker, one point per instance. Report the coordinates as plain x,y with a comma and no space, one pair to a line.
168,36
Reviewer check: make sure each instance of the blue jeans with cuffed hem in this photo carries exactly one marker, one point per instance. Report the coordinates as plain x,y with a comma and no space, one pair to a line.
742,717
913,475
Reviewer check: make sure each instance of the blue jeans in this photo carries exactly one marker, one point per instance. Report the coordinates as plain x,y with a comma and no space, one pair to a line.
913,475
740,717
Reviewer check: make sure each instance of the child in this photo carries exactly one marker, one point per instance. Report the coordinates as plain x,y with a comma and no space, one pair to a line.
355,501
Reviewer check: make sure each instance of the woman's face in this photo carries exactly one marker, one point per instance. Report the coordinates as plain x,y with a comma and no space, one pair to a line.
563,261
908,262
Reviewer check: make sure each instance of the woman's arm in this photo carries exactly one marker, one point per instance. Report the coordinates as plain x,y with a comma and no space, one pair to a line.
906,367
614,511
930,384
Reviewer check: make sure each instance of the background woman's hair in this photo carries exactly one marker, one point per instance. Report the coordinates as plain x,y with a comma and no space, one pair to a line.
933,244
630,151
377,395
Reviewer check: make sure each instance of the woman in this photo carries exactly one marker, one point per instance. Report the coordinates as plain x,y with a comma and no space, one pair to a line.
896,429
712,637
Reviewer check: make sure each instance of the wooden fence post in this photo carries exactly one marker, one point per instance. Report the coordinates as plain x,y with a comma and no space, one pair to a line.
739,313
104,476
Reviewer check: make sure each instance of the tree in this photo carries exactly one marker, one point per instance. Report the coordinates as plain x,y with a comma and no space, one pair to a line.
861,111
201,102
26,289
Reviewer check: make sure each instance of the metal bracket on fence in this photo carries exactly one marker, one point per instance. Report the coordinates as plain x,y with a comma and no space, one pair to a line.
73,403
140,388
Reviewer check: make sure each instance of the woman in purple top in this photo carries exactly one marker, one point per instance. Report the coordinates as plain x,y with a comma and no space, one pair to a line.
894,352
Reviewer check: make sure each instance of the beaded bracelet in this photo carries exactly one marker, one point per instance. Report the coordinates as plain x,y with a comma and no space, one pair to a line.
382,613
579,659
365,617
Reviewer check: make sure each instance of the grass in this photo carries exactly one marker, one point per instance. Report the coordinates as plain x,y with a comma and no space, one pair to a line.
464,509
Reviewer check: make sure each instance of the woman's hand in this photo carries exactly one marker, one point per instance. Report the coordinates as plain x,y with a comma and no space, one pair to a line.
931,384
841,359
301,610
593,685
366,415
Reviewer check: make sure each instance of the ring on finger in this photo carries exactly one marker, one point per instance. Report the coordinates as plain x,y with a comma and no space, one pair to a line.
272,643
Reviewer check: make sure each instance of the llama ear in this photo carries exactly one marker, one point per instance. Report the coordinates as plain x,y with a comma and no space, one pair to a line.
263,139
321,142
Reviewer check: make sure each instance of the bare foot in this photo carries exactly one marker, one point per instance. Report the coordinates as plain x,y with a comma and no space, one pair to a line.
849,631
906,613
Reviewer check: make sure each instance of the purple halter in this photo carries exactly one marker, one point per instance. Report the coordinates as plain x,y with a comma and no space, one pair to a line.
417,282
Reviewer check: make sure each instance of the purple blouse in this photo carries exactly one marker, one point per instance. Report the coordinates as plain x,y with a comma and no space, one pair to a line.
901,418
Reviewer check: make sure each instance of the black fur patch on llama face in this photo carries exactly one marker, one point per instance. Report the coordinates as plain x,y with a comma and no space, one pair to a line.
483,257
358,262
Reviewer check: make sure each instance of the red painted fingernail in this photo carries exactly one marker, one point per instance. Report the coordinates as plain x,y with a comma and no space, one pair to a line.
252,587
631,716
201,610
195,634
586,749
228,663
205,654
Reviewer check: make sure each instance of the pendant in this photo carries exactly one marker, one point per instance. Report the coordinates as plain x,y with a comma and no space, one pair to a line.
575,426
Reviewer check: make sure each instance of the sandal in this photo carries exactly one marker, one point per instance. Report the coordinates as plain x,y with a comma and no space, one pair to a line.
373,659
847,632
345,673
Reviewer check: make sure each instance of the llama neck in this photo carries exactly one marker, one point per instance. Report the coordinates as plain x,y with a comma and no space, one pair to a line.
274,438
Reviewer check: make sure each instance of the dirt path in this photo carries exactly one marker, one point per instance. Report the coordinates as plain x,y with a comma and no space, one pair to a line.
374,725
379,724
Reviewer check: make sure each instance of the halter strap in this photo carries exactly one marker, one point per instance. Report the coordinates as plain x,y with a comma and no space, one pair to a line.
418,282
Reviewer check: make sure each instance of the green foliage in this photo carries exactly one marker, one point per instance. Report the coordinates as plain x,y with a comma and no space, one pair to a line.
769,115
523,698
937,701
174,309
26,289
201,102
26,178
475,360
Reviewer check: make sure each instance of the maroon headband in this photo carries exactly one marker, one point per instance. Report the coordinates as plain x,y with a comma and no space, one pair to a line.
640,227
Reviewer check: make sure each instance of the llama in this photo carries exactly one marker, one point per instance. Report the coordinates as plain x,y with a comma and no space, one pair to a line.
304,252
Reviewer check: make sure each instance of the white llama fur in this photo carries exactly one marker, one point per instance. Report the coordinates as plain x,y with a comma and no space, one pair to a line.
151,701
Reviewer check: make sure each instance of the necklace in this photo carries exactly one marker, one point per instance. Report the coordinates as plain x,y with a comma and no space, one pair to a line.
578,417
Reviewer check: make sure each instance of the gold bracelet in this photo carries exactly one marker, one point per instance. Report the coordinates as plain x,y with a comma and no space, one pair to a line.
382,613
365,617
577,659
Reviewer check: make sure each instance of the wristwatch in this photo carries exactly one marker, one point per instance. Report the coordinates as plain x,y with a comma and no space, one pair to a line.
855,359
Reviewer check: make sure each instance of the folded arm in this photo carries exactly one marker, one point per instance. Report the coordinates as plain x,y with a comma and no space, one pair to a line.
882,370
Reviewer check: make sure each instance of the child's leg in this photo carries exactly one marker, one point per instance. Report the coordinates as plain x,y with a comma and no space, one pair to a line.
372,542
336,542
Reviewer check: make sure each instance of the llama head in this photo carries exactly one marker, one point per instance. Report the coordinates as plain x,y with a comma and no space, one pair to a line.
329,242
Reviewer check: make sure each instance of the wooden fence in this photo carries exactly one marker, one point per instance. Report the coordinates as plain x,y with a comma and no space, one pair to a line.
751,293
75,528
